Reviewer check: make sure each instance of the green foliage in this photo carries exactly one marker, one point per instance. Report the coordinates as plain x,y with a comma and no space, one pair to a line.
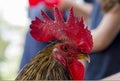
3,45
10,49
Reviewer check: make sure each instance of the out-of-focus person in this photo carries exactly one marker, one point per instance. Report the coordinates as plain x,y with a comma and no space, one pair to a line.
105,26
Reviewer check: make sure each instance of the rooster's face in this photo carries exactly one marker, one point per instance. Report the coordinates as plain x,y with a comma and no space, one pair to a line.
66,51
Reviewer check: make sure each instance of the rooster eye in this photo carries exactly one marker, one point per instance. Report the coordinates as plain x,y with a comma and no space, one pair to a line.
65,47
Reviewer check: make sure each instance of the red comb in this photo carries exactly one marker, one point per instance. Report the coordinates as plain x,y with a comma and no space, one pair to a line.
73,29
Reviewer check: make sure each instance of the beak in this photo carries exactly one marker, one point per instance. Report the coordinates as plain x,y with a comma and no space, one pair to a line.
85,57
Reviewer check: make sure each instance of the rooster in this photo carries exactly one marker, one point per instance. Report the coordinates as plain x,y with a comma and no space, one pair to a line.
70,41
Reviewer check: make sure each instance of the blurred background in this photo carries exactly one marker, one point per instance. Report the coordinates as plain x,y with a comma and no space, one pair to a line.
13,25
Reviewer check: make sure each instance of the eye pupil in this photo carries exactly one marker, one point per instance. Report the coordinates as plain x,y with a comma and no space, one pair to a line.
65,48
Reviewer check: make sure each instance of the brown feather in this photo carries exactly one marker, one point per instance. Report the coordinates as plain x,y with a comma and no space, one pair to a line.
44,67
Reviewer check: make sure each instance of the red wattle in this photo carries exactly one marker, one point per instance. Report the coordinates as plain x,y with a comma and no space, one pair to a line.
76,70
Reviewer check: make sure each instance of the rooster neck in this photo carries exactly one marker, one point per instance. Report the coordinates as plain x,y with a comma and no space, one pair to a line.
76,69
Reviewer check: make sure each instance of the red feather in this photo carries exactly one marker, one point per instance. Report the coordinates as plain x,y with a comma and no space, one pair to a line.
57,29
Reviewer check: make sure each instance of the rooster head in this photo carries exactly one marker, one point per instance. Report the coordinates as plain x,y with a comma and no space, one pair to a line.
74,40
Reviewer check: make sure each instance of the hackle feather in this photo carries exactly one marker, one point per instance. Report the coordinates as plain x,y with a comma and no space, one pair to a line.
44,67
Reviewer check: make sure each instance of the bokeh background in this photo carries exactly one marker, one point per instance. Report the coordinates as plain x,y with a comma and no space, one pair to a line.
13,25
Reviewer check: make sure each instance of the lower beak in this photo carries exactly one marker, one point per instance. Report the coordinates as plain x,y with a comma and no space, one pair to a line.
85,57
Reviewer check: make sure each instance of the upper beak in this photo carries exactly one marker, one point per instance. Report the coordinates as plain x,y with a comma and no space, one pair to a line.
85,57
